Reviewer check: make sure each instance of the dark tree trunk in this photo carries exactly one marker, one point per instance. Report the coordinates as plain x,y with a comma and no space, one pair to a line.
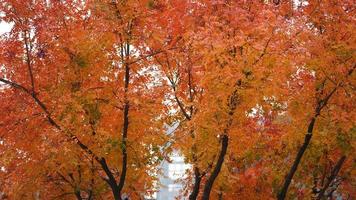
282,194
124,148
332,176
126,120
197,179
321,104
210,182
110,180
77,194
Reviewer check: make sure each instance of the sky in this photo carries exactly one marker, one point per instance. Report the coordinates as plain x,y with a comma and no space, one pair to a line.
4,27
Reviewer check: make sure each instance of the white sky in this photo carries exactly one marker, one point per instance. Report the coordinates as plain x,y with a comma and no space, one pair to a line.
5,27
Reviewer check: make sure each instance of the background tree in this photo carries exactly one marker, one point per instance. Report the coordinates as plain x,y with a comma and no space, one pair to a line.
78,84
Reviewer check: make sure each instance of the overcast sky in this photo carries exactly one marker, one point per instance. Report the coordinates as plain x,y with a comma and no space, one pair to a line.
4,27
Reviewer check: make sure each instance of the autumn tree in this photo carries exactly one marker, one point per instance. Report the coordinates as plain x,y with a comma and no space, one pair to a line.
324,81
220,65
263,53
81,100
262,92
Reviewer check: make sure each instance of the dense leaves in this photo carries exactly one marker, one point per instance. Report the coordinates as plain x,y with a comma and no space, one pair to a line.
261,94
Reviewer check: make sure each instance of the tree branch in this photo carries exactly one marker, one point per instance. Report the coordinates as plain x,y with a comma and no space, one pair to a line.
233,101
71,136
321,104
28,59
332,176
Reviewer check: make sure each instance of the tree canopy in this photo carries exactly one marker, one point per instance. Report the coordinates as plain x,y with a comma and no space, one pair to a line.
261,94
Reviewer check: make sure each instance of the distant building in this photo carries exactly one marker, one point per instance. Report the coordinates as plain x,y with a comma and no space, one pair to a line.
171,172
169,188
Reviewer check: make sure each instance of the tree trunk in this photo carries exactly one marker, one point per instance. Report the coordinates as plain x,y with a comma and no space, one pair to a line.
77,194
197,179
216,171
332,176
126,120
321,104
282,194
